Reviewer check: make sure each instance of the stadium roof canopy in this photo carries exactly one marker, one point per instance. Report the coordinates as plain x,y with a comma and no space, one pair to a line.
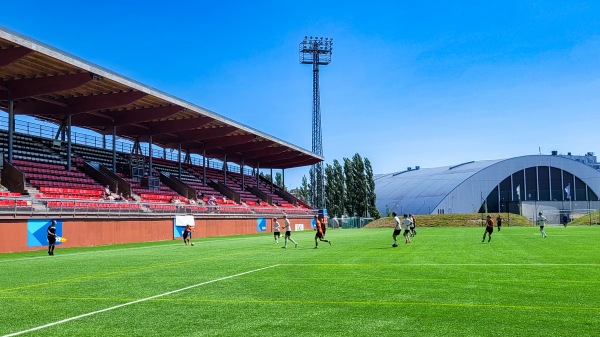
50,84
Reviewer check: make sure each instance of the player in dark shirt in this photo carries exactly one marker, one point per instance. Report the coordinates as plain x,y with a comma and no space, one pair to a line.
187,235
489,228
51,237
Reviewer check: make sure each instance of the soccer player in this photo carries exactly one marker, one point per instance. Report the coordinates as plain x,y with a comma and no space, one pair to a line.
413,230
397,229
51,237
407,222
288,232
276,230
541,220
319,236
187,234
489,228
323,225
499,221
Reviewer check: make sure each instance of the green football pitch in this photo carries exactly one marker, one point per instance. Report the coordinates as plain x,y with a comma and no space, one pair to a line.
446,283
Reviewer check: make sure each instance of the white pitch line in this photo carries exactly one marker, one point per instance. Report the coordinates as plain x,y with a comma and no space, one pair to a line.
136,301
82,253
453,264
111,250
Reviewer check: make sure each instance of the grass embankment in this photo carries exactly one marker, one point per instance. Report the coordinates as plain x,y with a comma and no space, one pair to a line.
592,218
454,220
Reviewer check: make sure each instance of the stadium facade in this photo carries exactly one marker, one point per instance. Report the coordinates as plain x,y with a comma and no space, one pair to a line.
522,185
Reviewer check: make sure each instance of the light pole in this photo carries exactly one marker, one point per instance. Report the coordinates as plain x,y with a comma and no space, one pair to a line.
316,51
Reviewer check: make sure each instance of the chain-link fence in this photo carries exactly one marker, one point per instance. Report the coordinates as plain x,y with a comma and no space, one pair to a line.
565,216
348,222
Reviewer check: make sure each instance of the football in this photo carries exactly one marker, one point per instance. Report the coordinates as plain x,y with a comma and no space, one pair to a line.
192,243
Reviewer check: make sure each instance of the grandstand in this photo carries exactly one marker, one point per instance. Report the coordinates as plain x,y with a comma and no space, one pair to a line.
118,169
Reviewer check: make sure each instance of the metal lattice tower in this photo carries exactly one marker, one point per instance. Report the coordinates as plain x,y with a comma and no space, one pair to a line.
316,51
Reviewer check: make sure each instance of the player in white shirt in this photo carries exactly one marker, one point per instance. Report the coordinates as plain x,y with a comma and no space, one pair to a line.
276,230
407,222
541,220
397,229
288,232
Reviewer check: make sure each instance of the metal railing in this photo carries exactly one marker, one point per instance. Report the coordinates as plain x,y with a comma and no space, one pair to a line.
47,130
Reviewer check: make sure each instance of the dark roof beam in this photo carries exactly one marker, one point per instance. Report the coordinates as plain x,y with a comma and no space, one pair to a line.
8,56
50,101
253,146
168,126
242,149
91,119
18,89
100,102
190,137
145,115
276,157
293,162
266,152
228,141
82,104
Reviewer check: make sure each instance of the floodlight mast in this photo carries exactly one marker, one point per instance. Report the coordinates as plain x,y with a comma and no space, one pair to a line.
316,51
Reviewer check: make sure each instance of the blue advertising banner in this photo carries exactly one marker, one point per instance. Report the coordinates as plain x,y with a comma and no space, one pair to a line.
261,224
179,224
37,232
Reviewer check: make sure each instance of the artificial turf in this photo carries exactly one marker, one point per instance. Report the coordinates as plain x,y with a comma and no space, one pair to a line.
446,283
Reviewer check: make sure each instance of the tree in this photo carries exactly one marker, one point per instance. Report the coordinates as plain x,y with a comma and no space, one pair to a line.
371,197
360,186
350,200
329,189
334,189
279,180
303,192
341,186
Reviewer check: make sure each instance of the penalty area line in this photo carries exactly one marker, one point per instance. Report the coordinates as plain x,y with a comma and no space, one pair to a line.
136,301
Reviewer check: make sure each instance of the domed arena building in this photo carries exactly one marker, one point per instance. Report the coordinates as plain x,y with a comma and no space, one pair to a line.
522,185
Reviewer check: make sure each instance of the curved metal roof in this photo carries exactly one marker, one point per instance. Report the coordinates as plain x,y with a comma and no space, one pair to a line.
420,191
50,84
461,187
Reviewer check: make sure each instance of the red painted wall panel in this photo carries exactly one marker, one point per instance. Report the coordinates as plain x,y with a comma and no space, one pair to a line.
94,232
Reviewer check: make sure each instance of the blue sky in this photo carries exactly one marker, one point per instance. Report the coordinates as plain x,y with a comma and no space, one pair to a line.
429,83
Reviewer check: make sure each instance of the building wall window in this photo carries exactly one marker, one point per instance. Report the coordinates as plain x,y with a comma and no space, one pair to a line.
551,183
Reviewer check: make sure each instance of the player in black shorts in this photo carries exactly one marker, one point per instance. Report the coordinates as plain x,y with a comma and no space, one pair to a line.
51,237
187,235
397,229
489,228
